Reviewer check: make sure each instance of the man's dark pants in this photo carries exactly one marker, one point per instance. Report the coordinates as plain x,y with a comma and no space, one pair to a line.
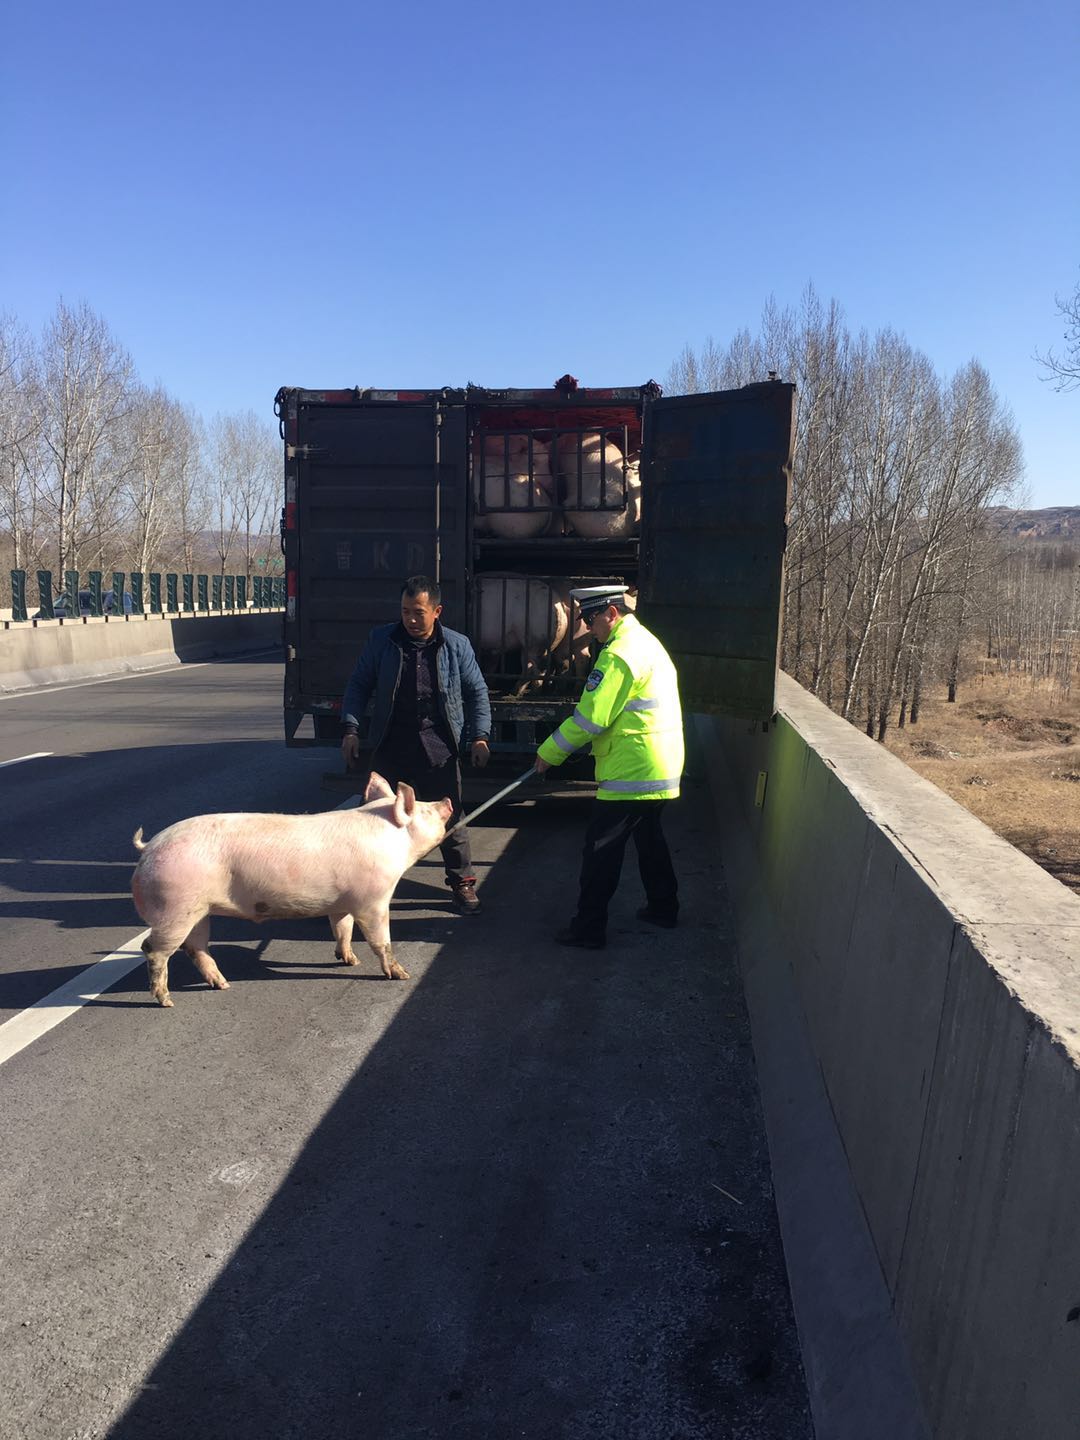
610,827
430,782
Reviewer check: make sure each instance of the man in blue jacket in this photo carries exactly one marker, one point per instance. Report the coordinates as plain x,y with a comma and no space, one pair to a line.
430,705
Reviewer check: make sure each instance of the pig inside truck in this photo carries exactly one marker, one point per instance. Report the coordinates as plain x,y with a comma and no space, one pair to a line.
512,498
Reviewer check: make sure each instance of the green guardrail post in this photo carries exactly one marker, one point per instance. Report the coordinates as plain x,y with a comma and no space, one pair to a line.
45,595
202,591
257,591
155,592
96,606
189,593
230,592
18,595
118,592
241,592
71,594
215,591
170,593
136,592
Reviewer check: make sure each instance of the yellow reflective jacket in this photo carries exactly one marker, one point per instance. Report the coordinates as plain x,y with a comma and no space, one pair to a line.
630,712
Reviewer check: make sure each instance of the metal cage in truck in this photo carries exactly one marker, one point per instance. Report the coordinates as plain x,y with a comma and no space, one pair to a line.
510,498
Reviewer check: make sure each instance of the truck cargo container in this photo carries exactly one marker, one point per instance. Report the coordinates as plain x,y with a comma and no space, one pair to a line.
510,498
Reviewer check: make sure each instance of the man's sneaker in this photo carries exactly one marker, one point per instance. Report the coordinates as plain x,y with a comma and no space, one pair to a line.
656,917
463,897
570,936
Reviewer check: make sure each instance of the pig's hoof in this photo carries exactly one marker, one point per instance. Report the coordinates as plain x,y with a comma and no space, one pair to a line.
165,1000
220,983
398,971
349,959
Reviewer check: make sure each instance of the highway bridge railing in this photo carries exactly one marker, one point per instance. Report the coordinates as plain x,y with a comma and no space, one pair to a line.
91,632
136,593
928,975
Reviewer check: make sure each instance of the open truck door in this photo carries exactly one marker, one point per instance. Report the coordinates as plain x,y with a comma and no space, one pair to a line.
374,492
716,480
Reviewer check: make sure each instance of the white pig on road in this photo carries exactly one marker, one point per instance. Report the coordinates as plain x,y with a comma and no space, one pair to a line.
344,864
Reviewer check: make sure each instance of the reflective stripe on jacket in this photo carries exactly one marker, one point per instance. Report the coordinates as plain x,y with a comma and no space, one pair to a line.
630,712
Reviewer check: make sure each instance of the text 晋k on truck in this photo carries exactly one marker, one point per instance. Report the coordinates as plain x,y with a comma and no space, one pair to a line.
510,499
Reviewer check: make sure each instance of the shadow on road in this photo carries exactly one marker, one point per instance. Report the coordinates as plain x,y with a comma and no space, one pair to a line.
540,1207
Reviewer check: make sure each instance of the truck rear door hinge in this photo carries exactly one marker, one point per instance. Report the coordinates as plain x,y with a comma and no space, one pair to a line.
302,452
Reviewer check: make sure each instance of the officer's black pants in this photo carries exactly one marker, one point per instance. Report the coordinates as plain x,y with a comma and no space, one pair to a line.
610,827
430,782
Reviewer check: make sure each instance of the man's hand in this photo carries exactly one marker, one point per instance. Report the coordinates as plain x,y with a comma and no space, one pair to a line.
480,753
541,765
350,751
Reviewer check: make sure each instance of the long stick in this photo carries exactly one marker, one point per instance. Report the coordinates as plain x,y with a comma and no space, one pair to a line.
468,819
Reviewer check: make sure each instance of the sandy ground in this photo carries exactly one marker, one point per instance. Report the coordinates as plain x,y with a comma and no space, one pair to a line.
1010,753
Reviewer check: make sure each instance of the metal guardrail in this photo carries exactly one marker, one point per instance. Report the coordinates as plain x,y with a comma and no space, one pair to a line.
185,594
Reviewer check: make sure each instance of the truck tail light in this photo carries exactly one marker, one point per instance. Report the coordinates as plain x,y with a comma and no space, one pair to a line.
290,516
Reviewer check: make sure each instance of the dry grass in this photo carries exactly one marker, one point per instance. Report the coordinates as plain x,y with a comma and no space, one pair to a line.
1010,753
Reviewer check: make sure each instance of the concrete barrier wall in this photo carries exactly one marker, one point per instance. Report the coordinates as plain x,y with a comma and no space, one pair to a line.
51,651
938,972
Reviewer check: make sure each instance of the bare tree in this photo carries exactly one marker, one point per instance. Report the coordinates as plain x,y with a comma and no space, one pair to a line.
894,438
193,501
99,471
983,467
245,485
161,478
21,459
894,473
1064,369
86,381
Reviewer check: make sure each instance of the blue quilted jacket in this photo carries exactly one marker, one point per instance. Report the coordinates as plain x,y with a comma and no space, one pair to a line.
463,693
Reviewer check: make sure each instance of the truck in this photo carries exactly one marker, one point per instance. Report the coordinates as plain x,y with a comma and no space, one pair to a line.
511,498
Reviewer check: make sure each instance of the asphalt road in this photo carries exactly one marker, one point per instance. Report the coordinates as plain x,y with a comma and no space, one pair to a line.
524,1194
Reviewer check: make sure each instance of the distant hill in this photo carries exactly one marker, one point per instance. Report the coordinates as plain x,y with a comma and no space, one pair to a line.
1058,523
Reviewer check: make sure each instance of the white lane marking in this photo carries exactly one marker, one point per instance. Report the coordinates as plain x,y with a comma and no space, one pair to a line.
37,755
41,1017
104,679
132,674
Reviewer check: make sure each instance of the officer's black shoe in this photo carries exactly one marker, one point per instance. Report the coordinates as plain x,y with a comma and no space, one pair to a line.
570,936
657,917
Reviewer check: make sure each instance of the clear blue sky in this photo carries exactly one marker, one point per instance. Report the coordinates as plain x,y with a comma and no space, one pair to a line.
409,194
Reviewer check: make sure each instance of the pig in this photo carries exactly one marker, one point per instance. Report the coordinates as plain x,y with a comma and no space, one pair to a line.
512,503
344,864
576,654
590,491
529,618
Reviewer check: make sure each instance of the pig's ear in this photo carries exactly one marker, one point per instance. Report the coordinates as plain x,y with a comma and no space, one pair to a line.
404,803
377,789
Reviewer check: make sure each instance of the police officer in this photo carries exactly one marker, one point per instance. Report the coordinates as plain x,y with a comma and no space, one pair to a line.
630,712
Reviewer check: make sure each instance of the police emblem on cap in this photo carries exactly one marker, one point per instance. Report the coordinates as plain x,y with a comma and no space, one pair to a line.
591,598
594,679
